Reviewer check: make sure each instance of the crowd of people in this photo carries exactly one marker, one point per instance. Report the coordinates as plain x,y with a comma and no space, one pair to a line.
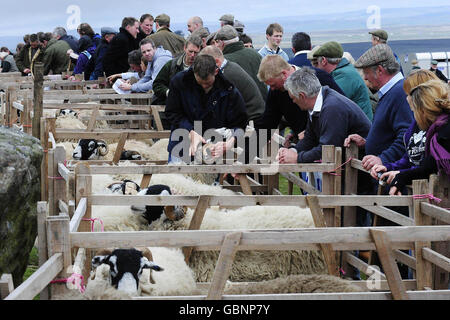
322,95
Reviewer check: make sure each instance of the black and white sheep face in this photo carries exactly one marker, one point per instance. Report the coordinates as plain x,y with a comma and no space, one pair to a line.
152,213
89,149
126,266
126,187
67,112
130,155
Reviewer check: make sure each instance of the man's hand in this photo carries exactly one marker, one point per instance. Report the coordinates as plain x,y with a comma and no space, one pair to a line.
301,135
195,139
125,86
26,70
394,192
369,161
220,148
360,141
288,140
377,168
287,155
389,176
113,77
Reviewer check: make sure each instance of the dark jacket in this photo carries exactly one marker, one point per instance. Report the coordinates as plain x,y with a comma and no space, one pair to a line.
94,69
26,60
187,102
248,59
414,141
279,104
141,35
254,102
162,81
168,40
71,41
324,77
55,57
338,118
439,74
392,118
116,56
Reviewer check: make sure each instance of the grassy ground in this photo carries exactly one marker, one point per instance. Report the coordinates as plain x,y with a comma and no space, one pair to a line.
33,265
283,187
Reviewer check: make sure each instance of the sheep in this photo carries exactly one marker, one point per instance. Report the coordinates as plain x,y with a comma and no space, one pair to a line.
156,152
176,279
298,283
126,266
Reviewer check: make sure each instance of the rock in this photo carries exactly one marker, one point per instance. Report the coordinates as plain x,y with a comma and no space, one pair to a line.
20,170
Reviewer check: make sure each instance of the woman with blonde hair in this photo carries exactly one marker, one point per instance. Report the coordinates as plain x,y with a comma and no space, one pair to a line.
431,106
414,138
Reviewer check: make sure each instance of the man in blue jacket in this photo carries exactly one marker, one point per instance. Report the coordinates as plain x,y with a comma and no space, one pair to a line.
156,59
393,115
331,117
199,99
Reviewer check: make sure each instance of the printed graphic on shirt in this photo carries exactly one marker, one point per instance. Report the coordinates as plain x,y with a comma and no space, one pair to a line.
416,147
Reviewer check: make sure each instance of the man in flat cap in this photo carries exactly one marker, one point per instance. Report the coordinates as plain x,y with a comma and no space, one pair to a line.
329,59
226,19
380,36
165,37
439,74
95,65
239,26
227,40
393,115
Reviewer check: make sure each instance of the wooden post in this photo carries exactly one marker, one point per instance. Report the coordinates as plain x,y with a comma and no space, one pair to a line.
58,237
83,187
350,187
6,285
439,187
424,270
319,222
245,184
328,182
93,119
120,145
390,268
196,221
42,213
44,163
145,182
223,266
38,98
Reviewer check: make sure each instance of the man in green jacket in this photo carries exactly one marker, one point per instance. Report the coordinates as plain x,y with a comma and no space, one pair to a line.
172,67
29,55
55,56
329,58
227,40
165,37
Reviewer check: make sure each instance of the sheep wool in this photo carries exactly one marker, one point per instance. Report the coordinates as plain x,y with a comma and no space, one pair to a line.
301,283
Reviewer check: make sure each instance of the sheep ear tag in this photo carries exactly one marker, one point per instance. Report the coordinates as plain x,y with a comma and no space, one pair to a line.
145,264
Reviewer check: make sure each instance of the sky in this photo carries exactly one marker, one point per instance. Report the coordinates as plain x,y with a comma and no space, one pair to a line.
21,17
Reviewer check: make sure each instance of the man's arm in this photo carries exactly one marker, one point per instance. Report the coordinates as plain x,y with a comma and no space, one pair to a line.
146,83
271,117
162,80
174,110
20,60
401,118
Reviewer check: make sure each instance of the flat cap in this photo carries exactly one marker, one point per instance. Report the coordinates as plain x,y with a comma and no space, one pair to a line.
380,34
107,30
310,55
434,62
227,32
414,62
239,26
375,55
331,49
163,18
227,18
